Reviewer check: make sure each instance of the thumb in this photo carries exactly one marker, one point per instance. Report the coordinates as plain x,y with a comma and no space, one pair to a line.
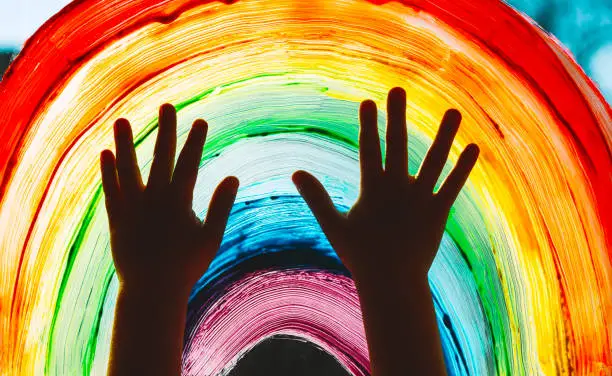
319,202
219,210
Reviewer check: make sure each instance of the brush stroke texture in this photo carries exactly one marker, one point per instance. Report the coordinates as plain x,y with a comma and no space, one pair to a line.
523,281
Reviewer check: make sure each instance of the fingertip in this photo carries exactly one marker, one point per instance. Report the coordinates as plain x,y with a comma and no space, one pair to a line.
453,115
121,122
166,108
107,157
222,202
167,116
231,182
397,93
473,149
368,104
200,125
122,126
299,177
110,185
450,123
198,132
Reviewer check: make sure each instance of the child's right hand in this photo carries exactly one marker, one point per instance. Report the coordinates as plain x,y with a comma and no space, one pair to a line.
389,238
397,223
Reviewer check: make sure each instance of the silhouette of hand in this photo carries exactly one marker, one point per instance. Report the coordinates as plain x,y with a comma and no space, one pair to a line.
156,239
397,223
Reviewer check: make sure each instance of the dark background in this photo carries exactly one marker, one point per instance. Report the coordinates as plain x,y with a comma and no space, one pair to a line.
284,355
5,58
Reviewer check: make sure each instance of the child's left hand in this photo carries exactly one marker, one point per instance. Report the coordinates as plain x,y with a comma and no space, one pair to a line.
156,239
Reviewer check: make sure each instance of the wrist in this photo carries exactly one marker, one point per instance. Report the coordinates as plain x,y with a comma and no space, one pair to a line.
390,270
384,283
153,294
390,275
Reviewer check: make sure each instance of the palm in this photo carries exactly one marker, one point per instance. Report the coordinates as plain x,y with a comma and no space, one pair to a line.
398,220
154,231
142,238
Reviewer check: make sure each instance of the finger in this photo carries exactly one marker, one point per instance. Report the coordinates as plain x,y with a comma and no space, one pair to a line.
219,210
110,182
127,164
370,158
396,162
186,171
319,202
436,157
456,179
165,149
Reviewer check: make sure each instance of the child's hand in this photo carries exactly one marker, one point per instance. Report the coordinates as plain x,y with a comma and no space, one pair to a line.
397,223
157,241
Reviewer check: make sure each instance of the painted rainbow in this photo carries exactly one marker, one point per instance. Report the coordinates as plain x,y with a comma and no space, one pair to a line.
523,280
